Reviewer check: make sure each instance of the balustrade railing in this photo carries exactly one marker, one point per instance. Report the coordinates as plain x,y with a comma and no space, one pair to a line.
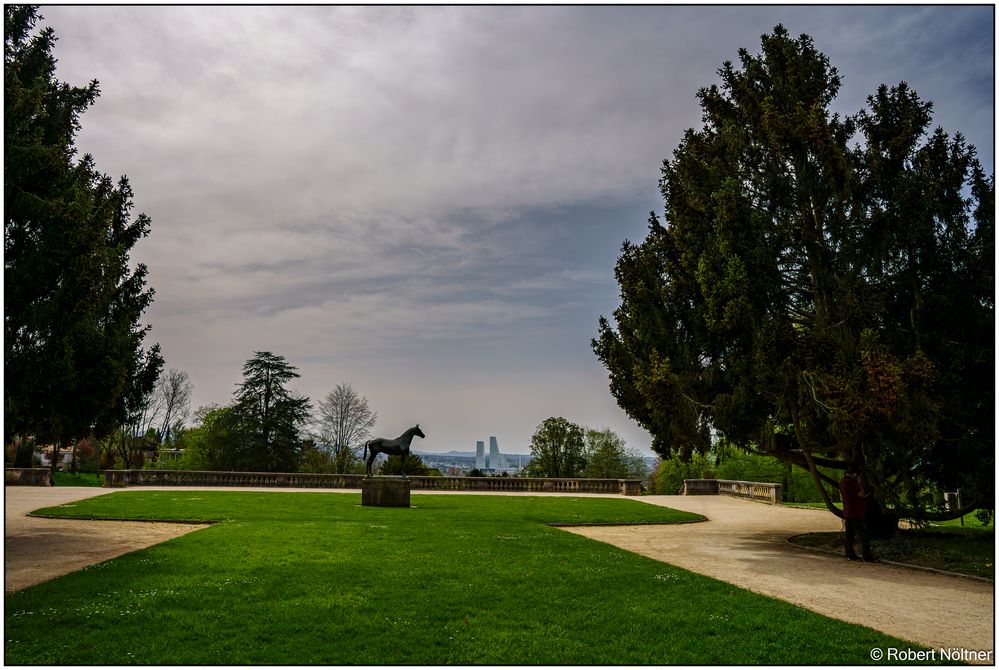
629,487
27,476
753,490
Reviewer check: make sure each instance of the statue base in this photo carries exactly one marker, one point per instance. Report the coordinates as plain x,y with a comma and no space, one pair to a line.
385,492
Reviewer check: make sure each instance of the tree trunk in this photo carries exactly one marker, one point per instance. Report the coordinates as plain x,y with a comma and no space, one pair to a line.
25,456
126,449
881,523
56,450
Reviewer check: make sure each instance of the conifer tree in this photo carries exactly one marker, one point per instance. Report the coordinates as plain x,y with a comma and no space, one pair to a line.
72,302
268,418
822,303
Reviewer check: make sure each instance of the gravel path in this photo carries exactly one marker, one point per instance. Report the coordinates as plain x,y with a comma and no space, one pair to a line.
37,550
743,543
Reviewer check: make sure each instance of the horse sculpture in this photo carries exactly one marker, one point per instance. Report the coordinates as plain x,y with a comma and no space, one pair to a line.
397,447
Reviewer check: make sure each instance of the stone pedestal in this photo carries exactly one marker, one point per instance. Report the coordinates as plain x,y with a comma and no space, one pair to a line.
385,492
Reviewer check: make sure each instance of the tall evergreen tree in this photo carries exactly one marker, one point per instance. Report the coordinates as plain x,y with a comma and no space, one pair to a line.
269,420
72,303
825,304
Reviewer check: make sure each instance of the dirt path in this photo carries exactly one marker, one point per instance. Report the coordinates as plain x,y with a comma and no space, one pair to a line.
744,543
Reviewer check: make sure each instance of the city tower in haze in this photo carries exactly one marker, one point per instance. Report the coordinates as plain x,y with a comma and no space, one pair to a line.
480,455
497,461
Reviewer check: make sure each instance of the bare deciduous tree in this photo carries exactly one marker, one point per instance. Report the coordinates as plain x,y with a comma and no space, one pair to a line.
345,421
173,391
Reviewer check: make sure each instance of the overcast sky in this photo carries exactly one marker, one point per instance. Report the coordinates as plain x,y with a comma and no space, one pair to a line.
428,202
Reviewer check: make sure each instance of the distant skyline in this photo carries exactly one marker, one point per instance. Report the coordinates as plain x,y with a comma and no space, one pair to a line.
428,202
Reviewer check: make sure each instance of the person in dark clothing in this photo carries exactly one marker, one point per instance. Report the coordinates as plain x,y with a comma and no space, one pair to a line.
854,507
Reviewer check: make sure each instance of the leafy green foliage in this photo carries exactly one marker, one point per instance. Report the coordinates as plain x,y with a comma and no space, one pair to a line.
557,448
77,479
314,578
392,465
607,457
670,472
969,551
263,430
811,301
73,359
313,459
212,444
797,483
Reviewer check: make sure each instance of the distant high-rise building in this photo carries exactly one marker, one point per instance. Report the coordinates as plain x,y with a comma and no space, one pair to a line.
480,455
496,459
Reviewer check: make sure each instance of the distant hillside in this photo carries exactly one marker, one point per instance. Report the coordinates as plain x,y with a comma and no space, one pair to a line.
452,453
461,454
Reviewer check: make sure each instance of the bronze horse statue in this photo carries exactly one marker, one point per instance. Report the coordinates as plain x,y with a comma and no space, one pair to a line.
397,447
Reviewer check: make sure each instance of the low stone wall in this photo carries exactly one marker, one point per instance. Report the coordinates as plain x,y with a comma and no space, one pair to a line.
764,491
628,487
222,478
699,487
27,476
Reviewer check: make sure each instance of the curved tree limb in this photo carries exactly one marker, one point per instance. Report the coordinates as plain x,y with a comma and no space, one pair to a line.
941,516
802,462
816,475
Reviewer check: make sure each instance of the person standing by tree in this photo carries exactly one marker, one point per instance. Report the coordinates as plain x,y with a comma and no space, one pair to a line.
854,509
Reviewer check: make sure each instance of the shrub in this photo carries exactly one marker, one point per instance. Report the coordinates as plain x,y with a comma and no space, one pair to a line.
671,472
796,482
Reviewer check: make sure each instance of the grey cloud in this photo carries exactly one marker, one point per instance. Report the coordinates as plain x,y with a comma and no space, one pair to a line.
424,198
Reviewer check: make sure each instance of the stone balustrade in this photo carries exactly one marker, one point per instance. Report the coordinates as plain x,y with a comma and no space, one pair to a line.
699,487
119,478
224,478
764,491
27,476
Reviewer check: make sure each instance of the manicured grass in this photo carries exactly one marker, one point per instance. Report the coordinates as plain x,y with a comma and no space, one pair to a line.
314,578
809,505
77,479
969,551
943,545
970,520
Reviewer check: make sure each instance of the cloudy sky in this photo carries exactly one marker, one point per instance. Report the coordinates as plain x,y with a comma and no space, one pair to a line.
428,202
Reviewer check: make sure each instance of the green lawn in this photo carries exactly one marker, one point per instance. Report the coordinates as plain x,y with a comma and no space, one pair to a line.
944,545
969,551
970,520
314,578
77,479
